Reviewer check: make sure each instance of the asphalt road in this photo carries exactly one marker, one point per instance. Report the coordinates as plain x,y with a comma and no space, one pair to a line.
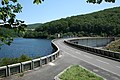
107,68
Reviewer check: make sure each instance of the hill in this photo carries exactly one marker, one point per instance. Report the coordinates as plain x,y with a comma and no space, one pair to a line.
33,26
101,23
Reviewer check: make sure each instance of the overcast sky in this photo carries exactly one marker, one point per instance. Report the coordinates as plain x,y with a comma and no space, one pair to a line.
55,9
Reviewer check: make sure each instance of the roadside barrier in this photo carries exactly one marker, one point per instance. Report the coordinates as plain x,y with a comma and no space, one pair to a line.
29,65
101,52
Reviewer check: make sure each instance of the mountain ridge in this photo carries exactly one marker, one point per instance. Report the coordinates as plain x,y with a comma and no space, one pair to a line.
101,23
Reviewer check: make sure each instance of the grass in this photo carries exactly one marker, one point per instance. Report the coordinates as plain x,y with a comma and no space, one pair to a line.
9,61
76,72
114,46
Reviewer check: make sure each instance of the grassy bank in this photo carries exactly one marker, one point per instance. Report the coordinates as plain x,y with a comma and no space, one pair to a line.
8,61
78,73
114,46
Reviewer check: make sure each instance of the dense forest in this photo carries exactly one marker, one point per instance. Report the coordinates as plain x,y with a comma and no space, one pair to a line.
33,26
101,23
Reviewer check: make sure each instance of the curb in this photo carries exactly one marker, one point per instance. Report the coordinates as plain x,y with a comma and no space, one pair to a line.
57,76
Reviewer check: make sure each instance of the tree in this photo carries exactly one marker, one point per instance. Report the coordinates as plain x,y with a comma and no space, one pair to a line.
8,11
101,23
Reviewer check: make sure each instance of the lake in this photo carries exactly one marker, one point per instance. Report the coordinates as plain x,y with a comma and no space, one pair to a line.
31,47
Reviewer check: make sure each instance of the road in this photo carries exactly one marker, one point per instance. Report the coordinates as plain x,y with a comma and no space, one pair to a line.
107,68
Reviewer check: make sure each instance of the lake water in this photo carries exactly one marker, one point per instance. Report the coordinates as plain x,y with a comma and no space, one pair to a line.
94,42
31,47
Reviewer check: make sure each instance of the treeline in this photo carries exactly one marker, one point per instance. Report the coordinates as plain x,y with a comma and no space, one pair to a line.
35,34
10,32
33,26
102,23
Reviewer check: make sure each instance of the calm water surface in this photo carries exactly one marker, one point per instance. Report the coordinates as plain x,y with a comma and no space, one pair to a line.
31,47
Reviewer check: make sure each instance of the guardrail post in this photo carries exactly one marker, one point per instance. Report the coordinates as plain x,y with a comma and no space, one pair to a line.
32,65
58,53
47,60
22,67
8,71
40,62
52,58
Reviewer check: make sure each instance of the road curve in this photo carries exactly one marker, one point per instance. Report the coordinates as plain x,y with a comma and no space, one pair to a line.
107,68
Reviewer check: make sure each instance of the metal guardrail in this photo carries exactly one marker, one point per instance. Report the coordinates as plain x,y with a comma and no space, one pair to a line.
29,65
101,52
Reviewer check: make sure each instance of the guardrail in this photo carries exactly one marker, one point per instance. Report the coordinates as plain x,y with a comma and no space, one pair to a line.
101,52
29,65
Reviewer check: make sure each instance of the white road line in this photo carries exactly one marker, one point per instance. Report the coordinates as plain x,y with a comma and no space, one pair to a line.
118,67
78,52
102,61
88,56
91,57
51,64
92,64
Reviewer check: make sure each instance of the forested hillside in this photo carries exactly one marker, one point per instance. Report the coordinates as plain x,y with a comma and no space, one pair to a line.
33,26
102,23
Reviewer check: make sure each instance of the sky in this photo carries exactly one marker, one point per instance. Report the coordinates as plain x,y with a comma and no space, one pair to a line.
55,9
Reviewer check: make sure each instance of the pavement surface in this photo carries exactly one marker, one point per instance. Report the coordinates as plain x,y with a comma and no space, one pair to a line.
104,67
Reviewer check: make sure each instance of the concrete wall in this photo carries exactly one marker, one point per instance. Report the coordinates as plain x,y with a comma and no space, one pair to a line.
101,52
29,65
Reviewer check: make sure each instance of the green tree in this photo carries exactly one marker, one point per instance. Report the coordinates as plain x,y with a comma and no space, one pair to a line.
101,23
8,11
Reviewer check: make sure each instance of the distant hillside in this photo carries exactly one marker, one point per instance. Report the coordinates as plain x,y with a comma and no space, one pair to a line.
33,26
101,23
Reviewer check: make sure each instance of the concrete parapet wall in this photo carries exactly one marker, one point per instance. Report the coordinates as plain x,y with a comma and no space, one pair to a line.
29,65
101,52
